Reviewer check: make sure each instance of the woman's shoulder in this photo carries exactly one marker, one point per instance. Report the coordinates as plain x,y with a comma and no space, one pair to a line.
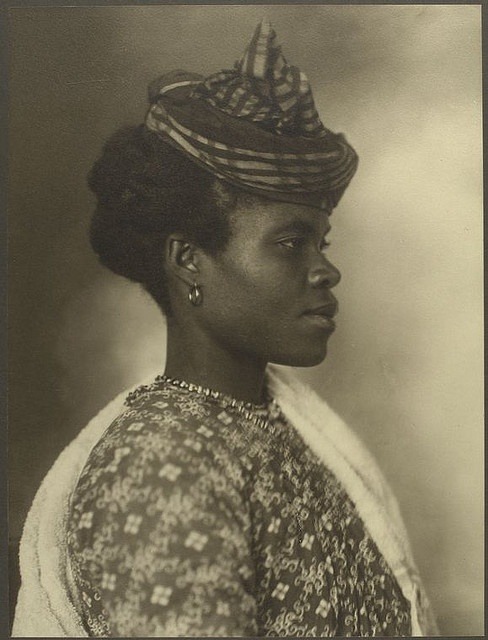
160,498
161,423
161,437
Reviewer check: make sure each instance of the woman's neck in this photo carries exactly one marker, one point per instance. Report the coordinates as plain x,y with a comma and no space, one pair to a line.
199,360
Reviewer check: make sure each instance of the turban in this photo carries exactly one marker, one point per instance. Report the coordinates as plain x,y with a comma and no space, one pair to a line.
255,126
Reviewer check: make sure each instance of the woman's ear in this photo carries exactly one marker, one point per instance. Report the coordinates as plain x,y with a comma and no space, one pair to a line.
181,258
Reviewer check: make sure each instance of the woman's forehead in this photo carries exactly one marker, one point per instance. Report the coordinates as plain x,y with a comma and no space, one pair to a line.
274,215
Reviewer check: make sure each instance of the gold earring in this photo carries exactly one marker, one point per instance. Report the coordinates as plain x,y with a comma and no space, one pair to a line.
195,295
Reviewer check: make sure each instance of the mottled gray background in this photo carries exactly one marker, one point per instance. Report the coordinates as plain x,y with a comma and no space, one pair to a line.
405,365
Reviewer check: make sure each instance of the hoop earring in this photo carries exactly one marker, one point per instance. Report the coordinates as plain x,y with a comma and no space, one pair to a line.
195,295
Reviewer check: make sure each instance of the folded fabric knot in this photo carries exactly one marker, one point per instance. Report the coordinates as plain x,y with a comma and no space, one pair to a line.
265,89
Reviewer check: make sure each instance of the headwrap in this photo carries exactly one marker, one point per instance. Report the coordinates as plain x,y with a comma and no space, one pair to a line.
255,126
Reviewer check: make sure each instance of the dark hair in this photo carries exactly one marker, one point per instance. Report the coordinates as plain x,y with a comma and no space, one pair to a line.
146,190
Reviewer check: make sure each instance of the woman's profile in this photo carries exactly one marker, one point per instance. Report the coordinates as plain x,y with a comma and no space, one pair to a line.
223,497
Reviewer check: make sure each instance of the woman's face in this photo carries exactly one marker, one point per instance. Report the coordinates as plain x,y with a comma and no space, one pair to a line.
267,296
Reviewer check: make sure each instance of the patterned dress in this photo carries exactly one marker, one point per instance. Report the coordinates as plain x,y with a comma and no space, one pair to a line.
194,520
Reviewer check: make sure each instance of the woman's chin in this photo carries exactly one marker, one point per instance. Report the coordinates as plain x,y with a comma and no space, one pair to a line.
303,358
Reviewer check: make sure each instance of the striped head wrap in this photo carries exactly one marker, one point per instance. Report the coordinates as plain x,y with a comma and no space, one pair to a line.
255,126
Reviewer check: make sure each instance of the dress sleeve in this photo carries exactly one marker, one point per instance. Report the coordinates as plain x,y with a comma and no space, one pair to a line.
160,537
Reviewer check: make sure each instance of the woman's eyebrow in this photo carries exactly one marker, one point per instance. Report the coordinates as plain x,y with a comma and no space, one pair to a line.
299,226
296,226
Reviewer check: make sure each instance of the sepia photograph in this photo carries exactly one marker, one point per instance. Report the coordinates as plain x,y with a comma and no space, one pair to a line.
245,320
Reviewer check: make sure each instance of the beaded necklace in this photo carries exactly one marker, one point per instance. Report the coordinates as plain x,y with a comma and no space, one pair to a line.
259,414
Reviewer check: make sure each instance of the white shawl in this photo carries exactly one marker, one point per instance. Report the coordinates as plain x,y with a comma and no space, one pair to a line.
46,606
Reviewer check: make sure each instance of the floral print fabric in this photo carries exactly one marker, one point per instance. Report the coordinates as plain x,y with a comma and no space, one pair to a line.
192,520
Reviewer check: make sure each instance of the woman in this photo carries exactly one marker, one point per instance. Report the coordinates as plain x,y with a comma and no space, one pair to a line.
222,498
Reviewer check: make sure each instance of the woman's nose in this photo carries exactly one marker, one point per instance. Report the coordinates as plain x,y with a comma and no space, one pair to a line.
324,274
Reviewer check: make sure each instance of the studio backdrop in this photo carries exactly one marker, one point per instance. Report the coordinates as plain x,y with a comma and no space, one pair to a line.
405,366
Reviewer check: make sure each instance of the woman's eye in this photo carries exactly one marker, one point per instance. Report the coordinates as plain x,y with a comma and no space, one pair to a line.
292,243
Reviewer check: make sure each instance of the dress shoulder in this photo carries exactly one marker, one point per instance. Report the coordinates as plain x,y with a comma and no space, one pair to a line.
160,433
160,530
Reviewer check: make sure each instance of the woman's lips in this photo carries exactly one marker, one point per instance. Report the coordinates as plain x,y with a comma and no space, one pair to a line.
321,321
323,316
